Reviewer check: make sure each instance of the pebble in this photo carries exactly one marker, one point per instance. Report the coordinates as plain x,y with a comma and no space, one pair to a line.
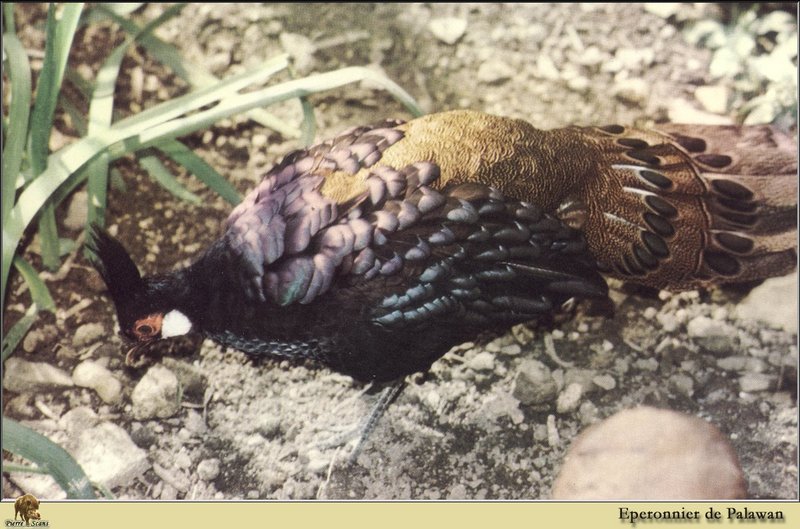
77,211
534,383
647,364
606,382
495,72
317,462
682,383
109,456
546,68
143,435
682,111
269,427
38,336
22,376
208,469
717,337
448,29
156,395
78,420
713,98
632,91
483,361
301,49
755,382
569,399
183,460
650,454
650,313
89,374
511,350
87,334
773,302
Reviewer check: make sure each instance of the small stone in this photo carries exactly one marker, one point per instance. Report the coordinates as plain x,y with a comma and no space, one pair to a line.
605,382
22,376
663,9
681,111
733,363
317,462
546,68
650,313
89,374
77,211
183,460
143,436
495,72
301,49
713,98
109,456
534,383
632,91
511,350
269,427
87,334
448,29
157,395
208,469
483,361
682,383
715,336
774,302
647,364
569,399
77,420
648,453
755,382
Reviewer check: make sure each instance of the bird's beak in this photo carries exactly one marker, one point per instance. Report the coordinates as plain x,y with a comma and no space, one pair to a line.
138,357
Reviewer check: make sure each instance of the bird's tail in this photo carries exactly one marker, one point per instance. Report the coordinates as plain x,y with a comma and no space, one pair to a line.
750,174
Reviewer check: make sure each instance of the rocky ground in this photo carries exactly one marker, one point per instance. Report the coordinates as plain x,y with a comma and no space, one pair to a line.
491,420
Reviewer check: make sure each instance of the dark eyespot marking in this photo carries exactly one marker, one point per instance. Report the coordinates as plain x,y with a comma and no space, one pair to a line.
690,143
655,244
645,257
633,266
732,189
613,129
633,143
144,329
645,157
714,160
738,205
656,179
734,243
721,263
659,224
742,219
661,206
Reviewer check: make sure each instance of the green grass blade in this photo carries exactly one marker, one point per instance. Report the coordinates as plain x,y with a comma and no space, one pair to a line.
266,96
48,456
199,98
42,300
166,179
40,294
181,154
19,73
18,331
8,17
60,31
195,75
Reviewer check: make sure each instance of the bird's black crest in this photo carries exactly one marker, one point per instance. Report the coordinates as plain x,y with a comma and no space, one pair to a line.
114,264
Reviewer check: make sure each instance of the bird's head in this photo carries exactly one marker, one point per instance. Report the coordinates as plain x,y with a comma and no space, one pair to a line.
145,310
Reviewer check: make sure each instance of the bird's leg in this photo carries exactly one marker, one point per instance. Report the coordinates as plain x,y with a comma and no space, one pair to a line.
367,425
385,398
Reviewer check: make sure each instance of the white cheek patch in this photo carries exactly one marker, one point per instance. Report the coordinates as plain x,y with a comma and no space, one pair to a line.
175,323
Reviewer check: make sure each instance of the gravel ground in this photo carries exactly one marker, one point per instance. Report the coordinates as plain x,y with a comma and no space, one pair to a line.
491,420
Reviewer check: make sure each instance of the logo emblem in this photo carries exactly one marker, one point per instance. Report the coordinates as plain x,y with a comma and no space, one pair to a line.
27,508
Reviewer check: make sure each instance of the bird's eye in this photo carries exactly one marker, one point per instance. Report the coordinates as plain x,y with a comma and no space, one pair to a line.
145,330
